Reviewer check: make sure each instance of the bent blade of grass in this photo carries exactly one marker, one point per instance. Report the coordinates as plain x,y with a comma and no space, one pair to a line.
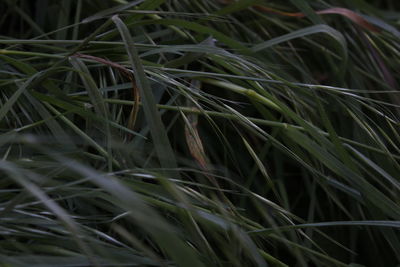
199,28
157,129
97,100
321,28
144,215
91,87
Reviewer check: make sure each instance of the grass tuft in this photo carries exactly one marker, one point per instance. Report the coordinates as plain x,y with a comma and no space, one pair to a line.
199,133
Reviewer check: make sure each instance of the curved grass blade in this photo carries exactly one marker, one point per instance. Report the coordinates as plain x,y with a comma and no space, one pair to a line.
134,89
98,102
165,234
157,129
321,28
199,28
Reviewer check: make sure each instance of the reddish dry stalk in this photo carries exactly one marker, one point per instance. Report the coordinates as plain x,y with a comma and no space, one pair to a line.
353,16
128,74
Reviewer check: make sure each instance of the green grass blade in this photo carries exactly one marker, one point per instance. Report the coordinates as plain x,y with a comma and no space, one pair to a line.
158,132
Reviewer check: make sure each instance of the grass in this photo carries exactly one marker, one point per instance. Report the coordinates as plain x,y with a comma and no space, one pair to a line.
199,133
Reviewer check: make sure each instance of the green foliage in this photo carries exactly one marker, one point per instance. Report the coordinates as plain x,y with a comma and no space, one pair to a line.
267,135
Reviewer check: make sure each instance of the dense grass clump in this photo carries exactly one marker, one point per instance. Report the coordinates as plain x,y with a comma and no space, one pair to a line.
199,133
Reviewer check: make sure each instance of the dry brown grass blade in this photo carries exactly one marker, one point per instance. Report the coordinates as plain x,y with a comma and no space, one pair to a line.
128,74
194,142
196,149
193,139
192,136
351,15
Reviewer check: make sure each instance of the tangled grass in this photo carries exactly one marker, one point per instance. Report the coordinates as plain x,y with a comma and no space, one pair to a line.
199,133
